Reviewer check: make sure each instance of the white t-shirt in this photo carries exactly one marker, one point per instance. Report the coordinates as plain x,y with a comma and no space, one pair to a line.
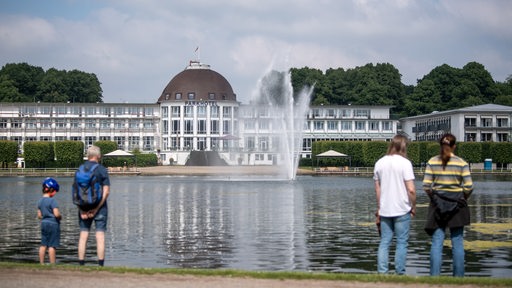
392,171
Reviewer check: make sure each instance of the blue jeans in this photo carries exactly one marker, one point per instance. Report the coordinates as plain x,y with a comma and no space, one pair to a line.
398,226
436,251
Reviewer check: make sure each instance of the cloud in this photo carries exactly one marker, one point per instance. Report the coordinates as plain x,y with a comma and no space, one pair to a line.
135,47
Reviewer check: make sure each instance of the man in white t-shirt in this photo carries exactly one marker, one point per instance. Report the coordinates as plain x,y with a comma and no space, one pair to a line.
396,203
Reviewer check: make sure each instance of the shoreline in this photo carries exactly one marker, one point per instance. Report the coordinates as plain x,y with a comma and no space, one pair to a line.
211,171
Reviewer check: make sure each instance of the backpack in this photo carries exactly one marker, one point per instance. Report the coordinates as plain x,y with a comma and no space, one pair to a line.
86,188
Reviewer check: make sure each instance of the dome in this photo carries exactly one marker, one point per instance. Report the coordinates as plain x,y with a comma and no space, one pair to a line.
198,83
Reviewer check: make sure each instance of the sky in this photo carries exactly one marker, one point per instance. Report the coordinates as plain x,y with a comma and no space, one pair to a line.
135,47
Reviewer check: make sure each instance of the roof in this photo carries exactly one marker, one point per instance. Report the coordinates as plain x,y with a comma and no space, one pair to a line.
118,153
479,108
331,153
197,78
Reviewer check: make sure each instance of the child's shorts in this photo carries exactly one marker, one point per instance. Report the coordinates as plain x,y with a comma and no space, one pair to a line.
50,234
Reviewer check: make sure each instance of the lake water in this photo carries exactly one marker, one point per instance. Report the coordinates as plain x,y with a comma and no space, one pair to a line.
310,224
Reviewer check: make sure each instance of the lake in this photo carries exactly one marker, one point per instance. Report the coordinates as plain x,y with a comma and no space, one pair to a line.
315,223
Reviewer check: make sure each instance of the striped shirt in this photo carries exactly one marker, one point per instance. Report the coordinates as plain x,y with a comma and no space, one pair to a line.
455,178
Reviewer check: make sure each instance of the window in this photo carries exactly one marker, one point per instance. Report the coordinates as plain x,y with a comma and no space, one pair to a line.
60,123
201,111
119,141
502,137
46,124
90,123
249,125
119,110
147,142
346,125
175,126
15,123
30,124
318,125
90,111
502,122
177,96
263,124
175,111
61,110
119,124
149,111
387,126
191,96
331,113
211,96
105,111
165,112
45,138
226,111
60,138
485,137
105,124
133,142
250,143
227,127
167,96
470,122
361,113
133,124
189,127
486,122
346,113
332,125
201,126
374,125
189,111
3,123
317,113
165,127
74,124
148,124
214,126
360,125
470,137
214,111
133,110
89,140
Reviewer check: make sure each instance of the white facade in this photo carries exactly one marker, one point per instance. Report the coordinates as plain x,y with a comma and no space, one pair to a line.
489,122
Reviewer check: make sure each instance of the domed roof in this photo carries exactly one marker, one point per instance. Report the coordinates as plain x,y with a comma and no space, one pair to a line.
198,82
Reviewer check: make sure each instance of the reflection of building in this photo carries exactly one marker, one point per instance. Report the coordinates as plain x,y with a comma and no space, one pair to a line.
196,111
489,122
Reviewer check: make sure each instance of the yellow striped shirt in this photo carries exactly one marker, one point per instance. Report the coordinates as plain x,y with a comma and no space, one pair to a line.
456,177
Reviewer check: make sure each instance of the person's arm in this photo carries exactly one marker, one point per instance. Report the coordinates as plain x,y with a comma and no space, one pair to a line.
39,214
411,192
57,214
377,194
105,191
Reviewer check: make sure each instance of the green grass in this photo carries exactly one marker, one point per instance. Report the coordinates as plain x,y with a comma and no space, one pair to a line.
277,275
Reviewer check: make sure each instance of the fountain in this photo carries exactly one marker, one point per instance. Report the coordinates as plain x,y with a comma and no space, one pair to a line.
287,112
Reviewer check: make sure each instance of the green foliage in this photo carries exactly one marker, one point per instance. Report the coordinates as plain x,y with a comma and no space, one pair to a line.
25,83
501,152
106,146
8,152
373,151
69,153
38,153
470,151
414,153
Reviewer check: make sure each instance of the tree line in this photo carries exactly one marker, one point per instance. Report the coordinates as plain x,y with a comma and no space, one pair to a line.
21,82
444,88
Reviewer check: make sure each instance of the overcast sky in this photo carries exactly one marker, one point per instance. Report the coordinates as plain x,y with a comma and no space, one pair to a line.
135,47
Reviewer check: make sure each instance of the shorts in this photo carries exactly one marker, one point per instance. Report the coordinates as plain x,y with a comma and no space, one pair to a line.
100,220
50,234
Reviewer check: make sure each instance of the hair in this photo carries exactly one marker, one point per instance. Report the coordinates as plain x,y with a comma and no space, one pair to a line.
398,146
447,143
93,151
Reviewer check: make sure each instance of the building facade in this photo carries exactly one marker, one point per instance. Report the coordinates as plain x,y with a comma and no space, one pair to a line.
482,123
197,111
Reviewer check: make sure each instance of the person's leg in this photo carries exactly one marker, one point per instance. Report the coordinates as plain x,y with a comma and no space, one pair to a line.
100,245
436,252
457,236
52,254
82,244
402,224
386,226
42,252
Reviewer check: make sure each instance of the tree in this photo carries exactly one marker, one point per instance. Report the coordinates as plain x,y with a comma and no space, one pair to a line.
25,78
83,87
69,153
52,87
8,152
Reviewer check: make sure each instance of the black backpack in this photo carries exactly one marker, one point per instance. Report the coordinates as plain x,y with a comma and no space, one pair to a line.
86,190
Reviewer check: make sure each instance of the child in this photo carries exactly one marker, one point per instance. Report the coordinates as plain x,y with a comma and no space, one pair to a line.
48,211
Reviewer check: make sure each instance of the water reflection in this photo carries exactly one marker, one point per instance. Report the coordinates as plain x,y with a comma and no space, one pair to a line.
311,224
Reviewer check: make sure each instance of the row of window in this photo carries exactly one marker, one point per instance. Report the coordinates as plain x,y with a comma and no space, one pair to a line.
192,96
85,110
486,122
487,137
188,126
201,111
76,123
264,124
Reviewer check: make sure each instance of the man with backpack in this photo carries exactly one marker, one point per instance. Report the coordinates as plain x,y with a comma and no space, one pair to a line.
91,188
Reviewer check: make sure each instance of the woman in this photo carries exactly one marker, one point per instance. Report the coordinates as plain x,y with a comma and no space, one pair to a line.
448,183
